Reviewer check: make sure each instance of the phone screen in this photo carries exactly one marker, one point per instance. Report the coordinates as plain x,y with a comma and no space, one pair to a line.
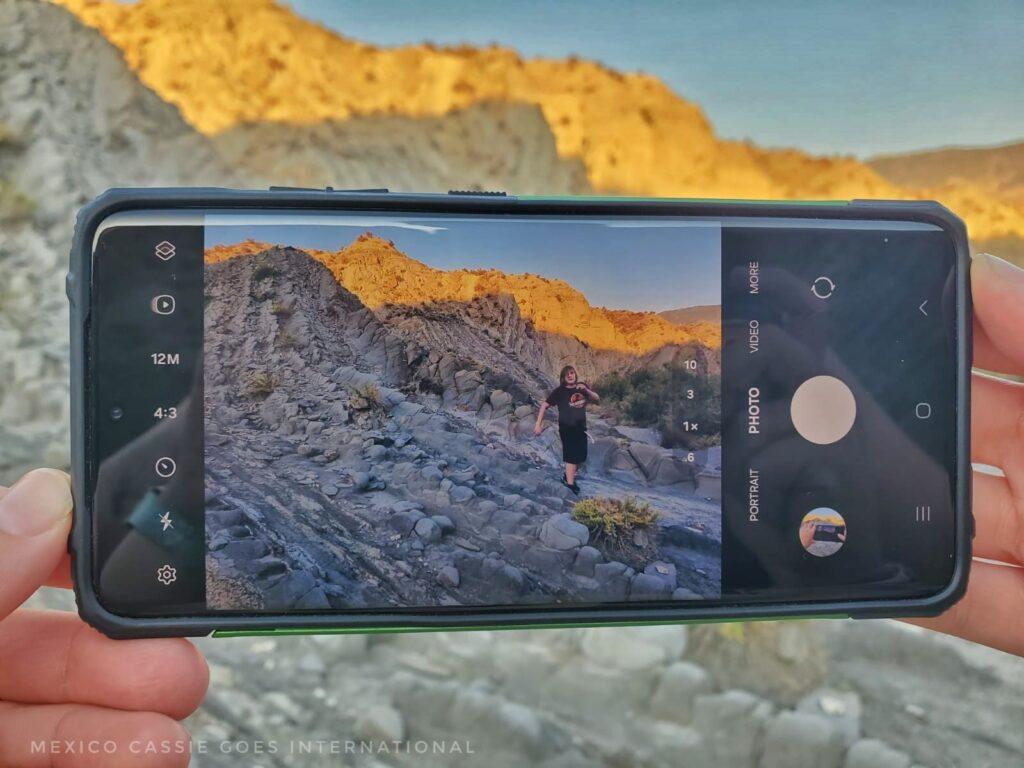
423,412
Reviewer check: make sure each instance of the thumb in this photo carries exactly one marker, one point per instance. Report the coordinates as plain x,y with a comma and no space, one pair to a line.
35,516
998,289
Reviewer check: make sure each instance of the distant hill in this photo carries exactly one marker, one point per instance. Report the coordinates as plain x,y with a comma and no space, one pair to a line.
230,63
999,170
703,313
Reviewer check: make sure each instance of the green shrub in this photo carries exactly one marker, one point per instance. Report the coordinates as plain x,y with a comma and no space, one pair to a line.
366,397
8,137
661,398
286,340
15,205
614,520
259,384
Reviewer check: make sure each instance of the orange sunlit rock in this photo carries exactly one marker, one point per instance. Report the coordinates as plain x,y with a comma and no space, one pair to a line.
240,61
380,275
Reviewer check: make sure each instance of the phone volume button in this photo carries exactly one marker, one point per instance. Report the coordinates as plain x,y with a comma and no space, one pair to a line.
70,287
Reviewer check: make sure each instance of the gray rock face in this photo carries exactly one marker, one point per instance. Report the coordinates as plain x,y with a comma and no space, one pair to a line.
638,434
562,532
801,740
84,123
733,724
644,586
586,559
428,530
677,689
449,577
840,707
872,753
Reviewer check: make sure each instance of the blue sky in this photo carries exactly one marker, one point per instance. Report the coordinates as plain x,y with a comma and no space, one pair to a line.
621,267
856,78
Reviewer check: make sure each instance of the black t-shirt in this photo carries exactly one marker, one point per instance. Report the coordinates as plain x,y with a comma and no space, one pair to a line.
572,405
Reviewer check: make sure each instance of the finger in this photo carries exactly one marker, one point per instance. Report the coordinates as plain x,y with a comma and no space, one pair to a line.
997,420
52,657
65,735
987,356
999,519
992,611
997,287
35,516
61,576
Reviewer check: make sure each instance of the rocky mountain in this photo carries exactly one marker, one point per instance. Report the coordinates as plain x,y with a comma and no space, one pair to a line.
75,120
996,171
242,61
384,278
999,170
360,455
704,313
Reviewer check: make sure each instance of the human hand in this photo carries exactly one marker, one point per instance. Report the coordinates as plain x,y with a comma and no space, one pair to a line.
992,611
537,429
807,533
84,699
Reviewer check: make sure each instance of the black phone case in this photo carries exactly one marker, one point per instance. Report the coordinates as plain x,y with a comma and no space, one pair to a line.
283,198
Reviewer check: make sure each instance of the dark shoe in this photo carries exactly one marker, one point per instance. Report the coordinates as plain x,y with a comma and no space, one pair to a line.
574,488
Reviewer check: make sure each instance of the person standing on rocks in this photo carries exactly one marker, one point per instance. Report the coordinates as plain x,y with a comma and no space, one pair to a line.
571,397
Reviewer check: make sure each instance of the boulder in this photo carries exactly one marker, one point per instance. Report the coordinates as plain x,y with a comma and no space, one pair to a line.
449,577
380,722
634,648
405,520
802,740
314,600
562,532
732,723
427,530
842,708
501,402
461,493
644,586
586,559
677,690
871,753
287,592
664,571
638,434
444,523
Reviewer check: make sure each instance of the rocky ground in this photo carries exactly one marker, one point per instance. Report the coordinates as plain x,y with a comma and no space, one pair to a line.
843,694
367,468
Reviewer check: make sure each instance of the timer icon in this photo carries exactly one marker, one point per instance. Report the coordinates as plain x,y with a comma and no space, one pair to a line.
165,466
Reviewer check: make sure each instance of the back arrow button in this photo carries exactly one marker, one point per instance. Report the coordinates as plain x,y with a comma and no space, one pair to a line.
923,310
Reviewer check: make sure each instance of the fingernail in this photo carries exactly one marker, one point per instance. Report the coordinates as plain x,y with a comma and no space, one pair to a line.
1005,269
38,502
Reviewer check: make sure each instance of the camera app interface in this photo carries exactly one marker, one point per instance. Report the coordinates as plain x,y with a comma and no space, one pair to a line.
444,412
303,412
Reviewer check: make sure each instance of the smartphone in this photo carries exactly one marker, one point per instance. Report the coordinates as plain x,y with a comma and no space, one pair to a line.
320,410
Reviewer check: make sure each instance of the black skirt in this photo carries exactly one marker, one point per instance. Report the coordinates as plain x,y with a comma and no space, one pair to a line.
574,443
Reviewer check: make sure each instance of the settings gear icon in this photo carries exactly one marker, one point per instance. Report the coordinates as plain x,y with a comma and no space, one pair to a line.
166,575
